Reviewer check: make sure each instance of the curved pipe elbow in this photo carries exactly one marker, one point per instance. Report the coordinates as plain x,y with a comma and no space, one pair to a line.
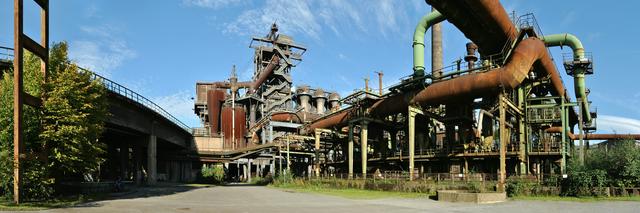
566,39
418,40
570,40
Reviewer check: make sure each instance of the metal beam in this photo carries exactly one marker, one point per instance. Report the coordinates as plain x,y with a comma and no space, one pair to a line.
34,47
19,97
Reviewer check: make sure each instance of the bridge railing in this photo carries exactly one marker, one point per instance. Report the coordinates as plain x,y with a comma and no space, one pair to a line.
134,96
5,54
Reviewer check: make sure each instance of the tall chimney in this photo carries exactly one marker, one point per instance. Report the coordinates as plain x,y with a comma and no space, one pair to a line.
436,49
304,96
320,100
471,57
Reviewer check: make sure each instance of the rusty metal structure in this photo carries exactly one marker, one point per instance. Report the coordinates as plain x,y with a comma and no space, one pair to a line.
40,49
504,110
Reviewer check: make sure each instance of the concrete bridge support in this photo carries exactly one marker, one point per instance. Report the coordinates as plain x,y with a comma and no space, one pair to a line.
137,162
124,160
152,149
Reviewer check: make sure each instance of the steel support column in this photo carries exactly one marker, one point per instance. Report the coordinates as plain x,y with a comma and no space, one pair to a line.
503,144
364,129
42,51
249,164
317,150
413,111
350,150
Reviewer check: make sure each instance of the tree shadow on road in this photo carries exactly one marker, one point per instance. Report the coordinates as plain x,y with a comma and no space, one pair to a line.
162,189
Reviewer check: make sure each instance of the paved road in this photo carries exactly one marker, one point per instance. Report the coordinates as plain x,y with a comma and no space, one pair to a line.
263,199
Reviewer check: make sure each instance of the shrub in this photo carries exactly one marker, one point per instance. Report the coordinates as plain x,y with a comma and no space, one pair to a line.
283,179
517,186
585,183
213,173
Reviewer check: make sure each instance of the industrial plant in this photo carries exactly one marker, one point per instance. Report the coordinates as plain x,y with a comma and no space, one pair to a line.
503,110
497,120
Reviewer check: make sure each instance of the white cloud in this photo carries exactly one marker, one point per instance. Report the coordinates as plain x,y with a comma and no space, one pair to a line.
313,17
101,50
91,12
215,4
568,18
337,14
180,106
620,125
292,17
387,16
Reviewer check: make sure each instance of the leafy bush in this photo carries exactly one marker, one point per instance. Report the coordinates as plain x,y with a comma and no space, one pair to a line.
283,179
213,173
476,187
586,182
518,186
261,180
621,162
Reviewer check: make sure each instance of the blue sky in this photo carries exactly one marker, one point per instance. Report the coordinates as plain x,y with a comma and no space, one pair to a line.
161,48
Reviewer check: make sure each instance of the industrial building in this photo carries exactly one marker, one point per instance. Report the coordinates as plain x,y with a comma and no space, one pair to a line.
504,110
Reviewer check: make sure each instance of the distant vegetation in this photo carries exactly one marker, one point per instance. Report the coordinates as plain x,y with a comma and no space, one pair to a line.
61,138
616,166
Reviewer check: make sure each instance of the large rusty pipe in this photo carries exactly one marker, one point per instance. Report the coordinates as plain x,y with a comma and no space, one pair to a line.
485,22
529,52
332,120
229,85
557,129
297,117
266,72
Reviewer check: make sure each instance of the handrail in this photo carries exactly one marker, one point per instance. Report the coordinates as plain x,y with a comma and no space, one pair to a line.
128,93
6,53
134,96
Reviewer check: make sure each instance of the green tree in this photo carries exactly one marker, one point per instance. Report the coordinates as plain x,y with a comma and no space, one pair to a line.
61,139
75,108
36,183
621,162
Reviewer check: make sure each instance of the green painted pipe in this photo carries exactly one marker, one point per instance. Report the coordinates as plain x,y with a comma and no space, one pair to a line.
566,39
418,40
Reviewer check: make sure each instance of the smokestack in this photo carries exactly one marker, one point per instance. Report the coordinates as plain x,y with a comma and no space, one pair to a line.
320,100
304,96
334,101
436,49
471,57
